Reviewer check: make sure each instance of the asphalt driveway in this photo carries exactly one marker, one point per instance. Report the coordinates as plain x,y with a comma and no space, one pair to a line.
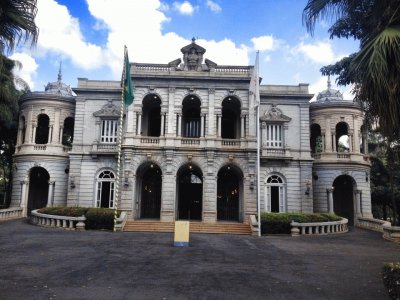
46,263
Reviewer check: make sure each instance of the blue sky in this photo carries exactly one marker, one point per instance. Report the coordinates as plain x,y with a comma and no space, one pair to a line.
88,37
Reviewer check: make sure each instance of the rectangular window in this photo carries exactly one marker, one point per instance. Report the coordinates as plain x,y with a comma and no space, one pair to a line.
274,136
109,131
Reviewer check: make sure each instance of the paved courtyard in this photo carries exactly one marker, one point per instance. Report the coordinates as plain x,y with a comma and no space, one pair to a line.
44,263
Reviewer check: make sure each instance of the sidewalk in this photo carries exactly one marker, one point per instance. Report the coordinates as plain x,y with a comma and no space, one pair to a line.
45,263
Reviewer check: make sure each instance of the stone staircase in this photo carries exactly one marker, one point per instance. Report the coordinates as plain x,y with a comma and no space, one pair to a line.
195,227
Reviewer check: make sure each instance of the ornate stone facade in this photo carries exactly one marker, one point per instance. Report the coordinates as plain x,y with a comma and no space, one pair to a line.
189,148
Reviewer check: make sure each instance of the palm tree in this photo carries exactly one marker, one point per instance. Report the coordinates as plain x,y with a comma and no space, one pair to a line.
17,23
375,68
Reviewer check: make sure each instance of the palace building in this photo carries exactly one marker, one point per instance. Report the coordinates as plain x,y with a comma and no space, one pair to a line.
189,148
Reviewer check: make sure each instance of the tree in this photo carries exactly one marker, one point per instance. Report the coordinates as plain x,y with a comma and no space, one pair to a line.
374,70
16,25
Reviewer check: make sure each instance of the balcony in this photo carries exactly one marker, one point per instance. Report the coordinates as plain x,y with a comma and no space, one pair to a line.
350,157
276,153
43,149
103,149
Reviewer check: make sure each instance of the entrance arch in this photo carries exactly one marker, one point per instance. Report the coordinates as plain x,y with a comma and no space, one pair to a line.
343,197
38,188
229,188
190,192
150,181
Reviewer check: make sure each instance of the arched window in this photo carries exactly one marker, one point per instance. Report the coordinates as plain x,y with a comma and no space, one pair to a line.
275,194
342,138
22,126
230,122
316,139
151,116
191,117
42,129
68,132
105,189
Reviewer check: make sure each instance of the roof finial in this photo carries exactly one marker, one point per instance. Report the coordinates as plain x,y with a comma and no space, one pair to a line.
193,39
329,82
60,72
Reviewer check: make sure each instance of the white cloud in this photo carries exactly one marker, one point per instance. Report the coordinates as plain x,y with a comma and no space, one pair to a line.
60,33
213,6
264,43
319,52
137,24
151,45
28,70
164,7
185,8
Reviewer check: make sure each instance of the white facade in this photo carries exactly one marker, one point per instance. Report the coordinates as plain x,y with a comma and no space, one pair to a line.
189,146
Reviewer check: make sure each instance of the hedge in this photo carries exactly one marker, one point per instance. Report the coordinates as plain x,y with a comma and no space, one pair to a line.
391,279
96,218
279,223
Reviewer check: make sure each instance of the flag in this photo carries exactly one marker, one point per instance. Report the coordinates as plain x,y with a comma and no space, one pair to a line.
127,81
255,83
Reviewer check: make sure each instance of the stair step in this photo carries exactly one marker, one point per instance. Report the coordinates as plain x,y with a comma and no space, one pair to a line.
195,227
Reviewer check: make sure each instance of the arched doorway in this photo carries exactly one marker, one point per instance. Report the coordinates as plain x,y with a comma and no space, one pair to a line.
151,121
343,197
229,188
315,139
191,107
38,188
230,122
105,189
190,193
42,129
275,194
150,191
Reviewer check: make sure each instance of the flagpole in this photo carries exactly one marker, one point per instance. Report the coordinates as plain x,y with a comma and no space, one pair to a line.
258,171
121,119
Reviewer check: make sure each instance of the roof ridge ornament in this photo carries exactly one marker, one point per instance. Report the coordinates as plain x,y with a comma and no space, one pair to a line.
59,77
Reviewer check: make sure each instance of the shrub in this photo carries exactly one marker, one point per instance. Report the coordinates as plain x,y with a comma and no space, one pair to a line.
100,218
64,211
391,279
279,223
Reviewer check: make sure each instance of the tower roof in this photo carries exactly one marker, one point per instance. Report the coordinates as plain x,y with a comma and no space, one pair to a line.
329,94
58,87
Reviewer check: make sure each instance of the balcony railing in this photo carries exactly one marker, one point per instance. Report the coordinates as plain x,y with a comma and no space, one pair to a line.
230,143
149,140
189,141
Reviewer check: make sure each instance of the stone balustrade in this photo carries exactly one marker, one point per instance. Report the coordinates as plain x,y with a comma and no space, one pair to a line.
391,233
332,227
72,223
11,213
150,140
230,143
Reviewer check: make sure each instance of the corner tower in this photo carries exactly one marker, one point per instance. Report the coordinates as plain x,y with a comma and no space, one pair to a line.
341,168
45,136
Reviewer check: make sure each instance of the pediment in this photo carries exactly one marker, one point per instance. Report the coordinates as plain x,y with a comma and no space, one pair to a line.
108,110
275,114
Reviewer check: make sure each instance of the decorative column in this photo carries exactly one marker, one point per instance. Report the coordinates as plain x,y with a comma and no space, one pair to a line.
242,133
33,133
351,136
56,128
50,198
211,108
50,140
22,201
179,124
358,202
328,138
333,137
263,133
139,126
130,120
28,127
61,134
202,125
162,124
330,199
219,122
323,141
171,107
365,142
285,134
